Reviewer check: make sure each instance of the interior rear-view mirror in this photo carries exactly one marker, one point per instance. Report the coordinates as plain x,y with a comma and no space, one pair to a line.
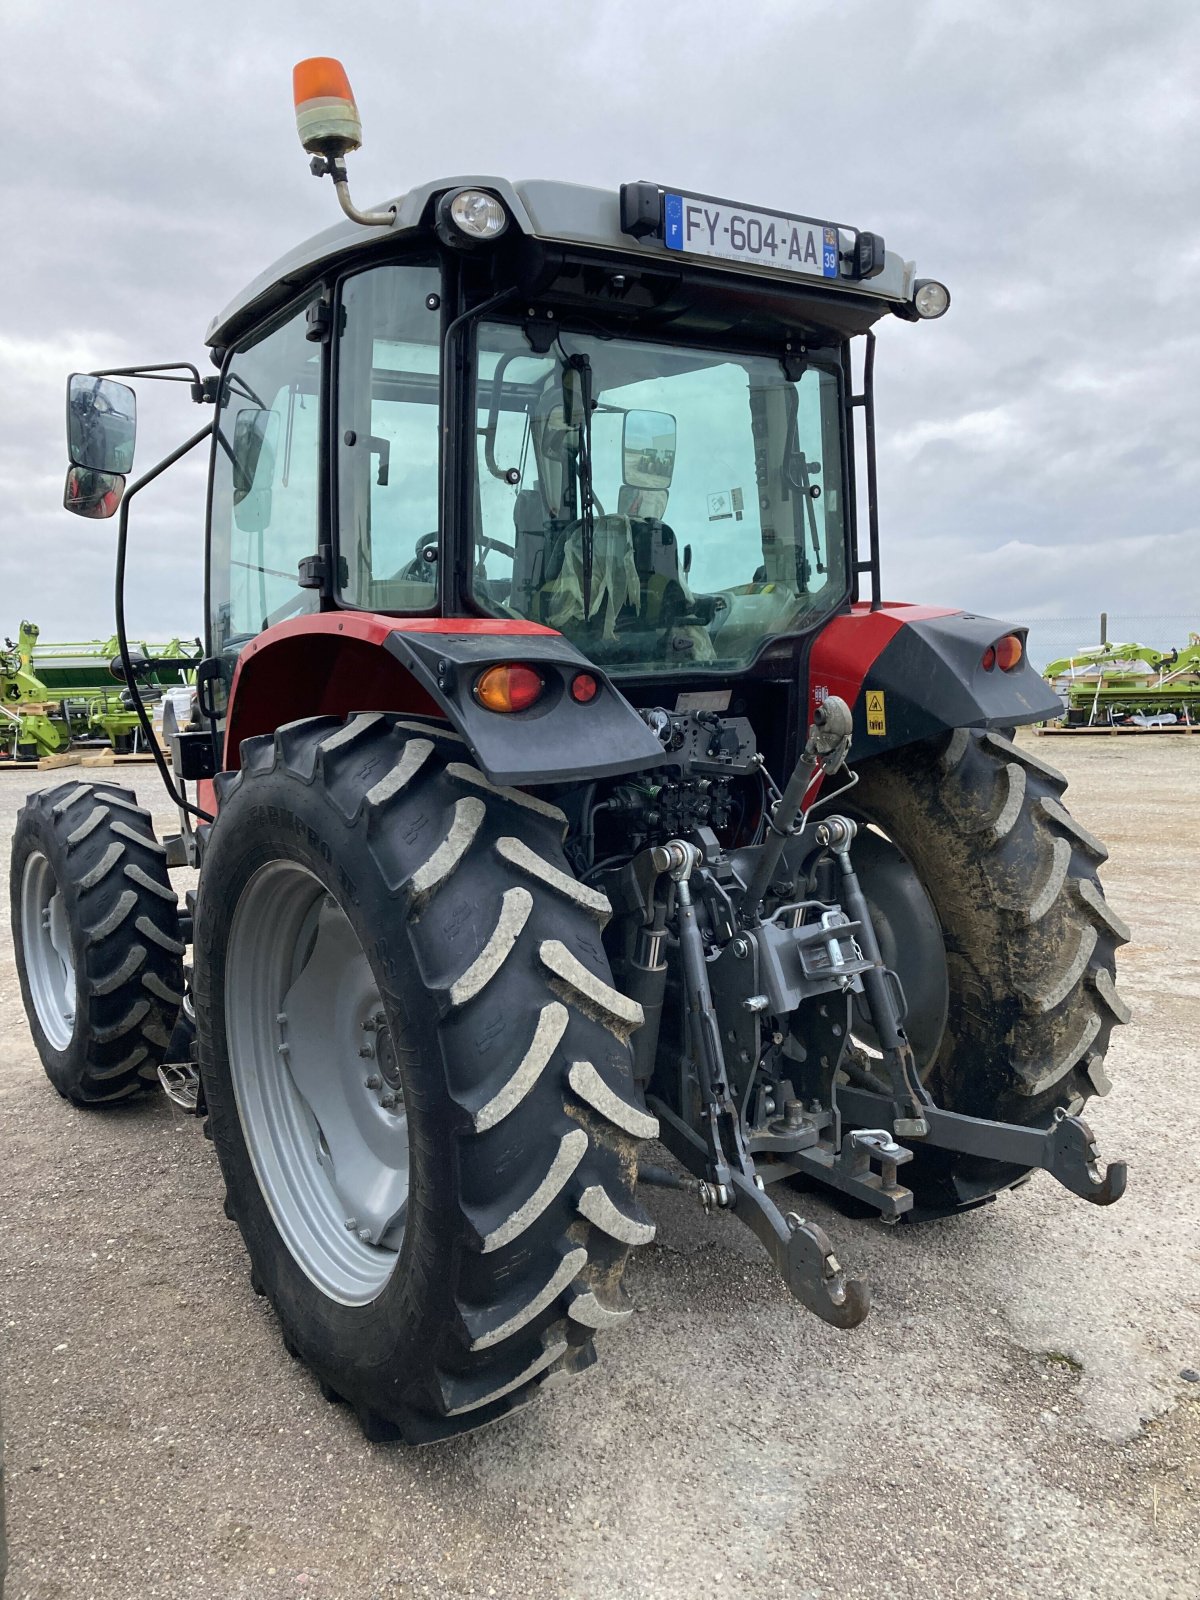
649,449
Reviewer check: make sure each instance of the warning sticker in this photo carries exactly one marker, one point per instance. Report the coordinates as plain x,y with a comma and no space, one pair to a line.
729,503
876,715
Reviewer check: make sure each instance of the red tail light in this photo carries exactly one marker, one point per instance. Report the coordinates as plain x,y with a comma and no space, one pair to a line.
509,687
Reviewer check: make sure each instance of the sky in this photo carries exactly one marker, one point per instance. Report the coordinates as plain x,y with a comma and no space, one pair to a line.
1039,453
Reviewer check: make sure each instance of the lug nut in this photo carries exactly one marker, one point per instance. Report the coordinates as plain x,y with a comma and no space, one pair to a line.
374,1081
364,1235
352,1223
367,1051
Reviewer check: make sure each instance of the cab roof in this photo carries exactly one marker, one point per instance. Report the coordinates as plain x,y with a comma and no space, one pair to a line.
565,213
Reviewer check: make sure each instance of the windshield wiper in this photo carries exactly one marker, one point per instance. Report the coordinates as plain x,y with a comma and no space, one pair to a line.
583,472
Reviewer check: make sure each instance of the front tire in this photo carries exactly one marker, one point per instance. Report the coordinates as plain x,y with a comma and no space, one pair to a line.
377,923
985,893
96,930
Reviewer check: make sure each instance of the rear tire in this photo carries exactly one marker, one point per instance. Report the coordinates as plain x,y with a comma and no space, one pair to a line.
1020,924
456,915
96,930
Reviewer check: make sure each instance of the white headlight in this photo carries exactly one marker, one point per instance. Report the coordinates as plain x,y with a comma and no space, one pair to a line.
478,215
931,299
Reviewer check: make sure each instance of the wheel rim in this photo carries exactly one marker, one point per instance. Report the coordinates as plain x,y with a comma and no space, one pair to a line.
315,1070
911,941
49,959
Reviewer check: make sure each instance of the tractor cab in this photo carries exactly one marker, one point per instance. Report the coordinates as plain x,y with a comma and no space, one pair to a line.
551,403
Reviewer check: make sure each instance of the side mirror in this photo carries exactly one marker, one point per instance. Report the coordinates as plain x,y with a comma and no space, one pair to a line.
138,660
254,435
648,448
92,494
101,424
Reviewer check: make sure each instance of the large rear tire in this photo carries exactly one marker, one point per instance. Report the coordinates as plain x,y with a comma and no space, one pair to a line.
417,1072
96,929
985,892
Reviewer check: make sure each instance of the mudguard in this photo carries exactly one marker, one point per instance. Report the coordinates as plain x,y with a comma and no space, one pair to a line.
338,662
911,672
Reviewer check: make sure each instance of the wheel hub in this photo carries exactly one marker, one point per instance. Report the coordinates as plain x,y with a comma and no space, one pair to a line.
316,1076
49,960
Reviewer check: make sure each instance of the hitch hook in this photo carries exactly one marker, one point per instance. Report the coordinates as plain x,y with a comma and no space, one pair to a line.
804,1256
1075,1162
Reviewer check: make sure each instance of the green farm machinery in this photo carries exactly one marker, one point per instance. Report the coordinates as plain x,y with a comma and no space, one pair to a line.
56,695
1113,685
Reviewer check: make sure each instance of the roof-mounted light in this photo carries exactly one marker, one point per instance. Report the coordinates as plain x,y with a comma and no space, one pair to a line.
930,298
470,216
326,116
329,127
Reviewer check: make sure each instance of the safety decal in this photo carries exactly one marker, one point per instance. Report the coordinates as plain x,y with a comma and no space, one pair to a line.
876,713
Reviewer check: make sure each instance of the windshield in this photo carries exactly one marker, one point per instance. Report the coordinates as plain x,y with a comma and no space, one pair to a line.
666,508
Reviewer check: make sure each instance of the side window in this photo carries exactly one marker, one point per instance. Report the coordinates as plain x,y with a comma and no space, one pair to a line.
265,485
388,437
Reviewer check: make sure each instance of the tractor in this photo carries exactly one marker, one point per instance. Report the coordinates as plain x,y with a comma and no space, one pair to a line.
561,783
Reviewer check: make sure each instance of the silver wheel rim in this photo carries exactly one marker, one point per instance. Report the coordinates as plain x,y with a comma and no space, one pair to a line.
49,960
315,1070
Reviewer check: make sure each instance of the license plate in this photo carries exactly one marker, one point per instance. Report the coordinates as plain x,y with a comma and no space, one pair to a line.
697,226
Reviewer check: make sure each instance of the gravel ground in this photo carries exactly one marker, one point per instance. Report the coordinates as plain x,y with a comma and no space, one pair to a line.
1010,1420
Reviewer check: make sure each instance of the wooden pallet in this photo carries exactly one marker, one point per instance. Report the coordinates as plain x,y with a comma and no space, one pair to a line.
63,758
78,758
109,758
1106,727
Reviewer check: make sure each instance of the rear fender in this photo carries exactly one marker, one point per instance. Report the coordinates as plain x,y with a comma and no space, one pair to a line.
911,672
336,663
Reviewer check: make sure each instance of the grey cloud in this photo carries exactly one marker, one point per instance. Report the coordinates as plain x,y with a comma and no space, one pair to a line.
1038,446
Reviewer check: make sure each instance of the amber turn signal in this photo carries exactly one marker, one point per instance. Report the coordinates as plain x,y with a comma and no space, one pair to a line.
1009,651
509,687
1006,653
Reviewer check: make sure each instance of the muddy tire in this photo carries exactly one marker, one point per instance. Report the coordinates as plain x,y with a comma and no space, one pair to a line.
96,930
450,1225
986,895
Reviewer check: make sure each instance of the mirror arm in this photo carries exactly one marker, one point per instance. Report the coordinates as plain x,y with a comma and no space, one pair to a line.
143,717
204,390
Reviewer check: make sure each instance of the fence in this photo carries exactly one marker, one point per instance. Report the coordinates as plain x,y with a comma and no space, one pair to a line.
1051,638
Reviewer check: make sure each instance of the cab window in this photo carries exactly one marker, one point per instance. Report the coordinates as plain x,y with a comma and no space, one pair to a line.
265,502
388,437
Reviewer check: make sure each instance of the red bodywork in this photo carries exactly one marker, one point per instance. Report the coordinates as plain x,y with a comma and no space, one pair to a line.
333,663
849,645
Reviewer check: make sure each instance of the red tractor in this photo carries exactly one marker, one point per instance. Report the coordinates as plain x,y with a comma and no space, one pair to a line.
559,782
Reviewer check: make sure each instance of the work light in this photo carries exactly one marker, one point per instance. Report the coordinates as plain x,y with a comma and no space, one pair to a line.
477,214
930,298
